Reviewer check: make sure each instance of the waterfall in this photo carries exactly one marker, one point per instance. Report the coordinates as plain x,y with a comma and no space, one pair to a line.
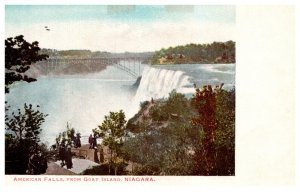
157,83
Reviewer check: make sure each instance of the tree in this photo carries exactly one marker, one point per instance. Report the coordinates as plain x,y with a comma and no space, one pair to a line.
70,133
112,131
26,124
205,102
225,133
19,55
22,137
176,103
67,136
216,120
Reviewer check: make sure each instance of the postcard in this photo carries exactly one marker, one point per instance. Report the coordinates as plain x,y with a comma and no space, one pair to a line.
119,95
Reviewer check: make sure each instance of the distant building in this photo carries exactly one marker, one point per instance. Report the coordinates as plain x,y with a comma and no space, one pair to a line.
181,56
162,60
170,56
218,59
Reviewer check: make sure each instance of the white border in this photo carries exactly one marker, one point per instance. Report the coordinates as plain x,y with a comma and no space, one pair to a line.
142,188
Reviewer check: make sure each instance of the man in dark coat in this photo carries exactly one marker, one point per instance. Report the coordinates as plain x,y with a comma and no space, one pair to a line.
33,164
95,141
62,152
91,140
68,157
37,163
43,164
77,140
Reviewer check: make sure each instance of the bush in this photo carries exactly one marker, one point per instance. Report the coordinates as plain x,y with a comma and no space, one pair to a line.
104,169
144,104
158,114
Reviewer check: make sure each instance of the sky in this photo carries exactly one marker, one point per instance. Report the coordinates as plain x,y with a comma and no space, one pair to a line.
120,28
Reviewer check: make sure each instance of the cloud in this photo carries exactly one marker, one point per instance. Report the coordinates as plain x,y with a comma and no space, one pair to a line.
120,37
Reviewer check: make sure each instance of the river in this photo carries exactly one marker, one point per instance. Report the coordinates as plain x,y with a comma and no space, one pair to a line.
83,100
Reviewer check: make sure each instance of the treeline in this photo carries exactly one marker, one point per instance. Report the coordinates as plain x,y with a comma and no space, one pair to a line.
216,52
93,54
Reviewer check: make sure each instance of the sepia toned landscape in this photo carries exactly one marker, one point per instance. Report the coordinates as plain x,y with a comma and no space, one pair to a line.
120,90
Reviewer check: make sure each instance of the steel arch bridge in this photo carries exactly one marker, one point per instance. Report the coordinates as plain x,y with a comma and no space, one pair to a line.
131,65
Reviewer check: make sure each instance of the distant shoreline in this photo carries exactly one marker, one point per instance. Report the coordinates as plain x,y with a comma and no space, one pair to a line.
193,64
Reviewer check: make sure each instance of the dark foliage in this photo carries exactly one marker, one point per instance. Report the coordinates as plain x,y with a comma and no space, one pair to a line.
104,169
216,52
144,104
19,55
22,138
216,119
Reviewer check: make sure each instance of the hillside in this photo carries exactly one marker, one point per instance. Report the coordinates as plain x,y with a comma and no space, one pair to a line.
216,52
166,140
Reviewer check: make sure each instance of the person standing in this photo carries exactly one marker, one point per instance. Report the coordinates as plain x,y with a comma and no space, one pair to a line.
77,140
43,164
37,163
91,140
68,157
62,152
95,141
33,164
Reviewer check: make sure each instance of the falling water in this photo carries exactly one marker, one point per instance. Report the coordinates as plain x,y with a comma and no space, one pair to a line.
157,83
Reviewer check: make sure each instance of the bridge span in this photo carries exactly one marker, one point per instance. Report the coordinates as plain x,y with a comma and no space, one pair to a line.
131,65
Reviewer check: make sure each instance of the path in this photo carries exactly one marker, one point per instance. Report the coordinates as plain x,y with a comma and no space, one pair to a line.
54,169
79,165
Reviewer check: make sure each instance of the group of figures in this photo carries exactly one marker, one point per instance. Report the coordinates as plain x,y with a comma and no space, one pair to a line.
93,141
37,164
76,141
65,155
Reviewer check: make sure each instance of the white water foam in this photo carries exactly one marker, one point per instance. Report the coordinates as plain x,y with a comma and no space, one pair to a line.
158,83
